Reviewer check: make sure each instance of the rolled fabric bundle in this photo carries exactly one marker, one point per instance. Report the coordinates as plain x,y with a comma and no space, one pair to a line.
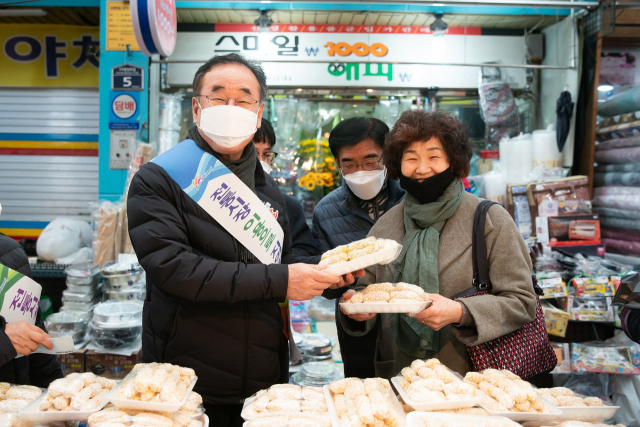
625,167
619,235
613,190
620,202
618,143
619,155
617,213
621,103
620,224
631,179
622,247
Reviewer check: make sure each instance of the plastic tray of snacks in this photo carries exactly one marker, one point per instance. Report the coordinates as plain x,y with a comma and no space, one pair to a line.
439,405
385,307
335,420
527,416
32,412
121,403
249,415
428,419
383,256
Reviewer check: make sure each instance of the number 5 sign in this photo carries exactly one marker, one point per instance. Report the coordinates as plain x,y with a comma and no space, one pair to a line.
127,77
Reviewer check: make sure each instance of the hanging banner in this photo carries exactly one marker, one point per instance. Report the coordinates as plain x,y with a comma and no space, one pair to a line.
366,56
49,55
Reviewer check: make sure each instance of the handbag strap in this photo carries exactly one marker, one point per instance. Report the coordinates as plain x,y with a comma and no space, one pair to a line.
481,281
479,256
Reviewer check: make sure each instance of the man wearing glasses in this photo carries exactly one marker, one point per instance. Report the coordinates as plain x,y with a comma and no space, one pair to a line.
212,233
348,213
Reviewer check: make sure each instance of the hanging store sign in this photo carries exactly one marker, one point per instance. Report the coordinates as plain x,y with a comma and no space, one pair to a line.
367,56
49,55
155,25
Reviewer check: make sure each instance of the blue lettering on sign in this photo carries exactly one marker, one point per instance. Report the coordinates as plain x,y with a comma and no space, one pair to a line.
312,50
11,48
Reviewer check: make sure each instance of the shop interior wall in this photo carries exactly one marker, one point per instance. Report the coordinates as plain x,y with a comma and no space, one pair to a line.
559,49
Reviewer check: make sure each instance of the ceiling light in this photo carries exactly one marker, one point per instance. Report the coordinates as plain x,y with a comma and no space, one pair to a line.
369,90
263,22
438,26
23,12
299,89
605,88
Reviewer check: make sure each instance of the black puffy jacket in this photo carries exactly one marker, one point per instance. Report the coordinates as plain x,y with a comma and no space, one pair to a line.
37,369
338,220
205,309
302,242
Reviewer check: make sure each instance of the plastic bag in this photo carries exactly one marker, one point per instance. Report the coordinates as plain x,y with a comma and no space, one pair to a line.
106,217
62,237
590,385
78,257
498,107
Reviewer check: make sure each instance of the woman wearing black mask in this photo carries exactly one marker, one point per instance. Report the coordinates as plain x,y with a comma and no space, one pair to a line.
430,153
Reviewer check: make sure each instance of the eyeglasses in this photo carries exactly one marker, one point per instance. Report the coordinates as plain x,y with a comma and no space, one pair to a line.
351,167
268,157
245,101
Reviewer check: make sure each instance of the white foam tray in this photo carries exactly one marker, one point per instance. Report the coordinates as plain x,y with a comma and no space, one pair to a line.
383,307
32,414
384,256
437,406
148,406
421,419
335,420
589,413
528,416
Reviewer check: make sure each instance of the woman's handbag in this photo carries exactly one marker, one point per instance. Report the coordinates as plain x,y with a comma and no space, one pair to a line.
526,352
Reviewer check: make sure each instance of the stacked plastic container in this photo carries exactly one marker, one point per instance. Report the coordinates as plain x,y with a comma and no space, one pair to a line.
123,281
83,288
116,324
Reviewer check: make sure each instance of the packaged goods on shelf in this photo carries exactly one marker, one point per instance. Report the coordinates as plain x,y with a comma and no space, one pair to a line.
610,359
594,287
556,320
591,309
553,288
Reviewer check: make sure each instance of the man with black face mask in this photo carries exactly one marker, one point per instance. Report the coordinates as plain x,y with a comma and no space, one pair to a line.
349,212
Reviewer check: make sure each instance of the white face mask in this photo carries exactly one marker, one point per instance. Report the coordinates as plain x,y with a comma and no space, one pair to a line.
266,166
228,125
366,184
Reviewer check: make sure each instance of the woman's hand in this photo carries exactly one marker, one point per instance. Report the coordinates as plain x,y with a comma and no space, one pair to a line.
442,312
360,317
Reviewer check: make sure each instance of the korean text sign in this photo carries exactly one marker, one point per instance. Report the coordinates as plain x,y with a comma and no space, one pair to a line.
19,296
49,55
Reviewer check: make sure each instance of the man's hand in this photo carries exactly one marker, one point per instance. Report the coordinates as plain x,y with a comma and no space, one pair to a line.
442,312
360,317
348,279
26,337
308,281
